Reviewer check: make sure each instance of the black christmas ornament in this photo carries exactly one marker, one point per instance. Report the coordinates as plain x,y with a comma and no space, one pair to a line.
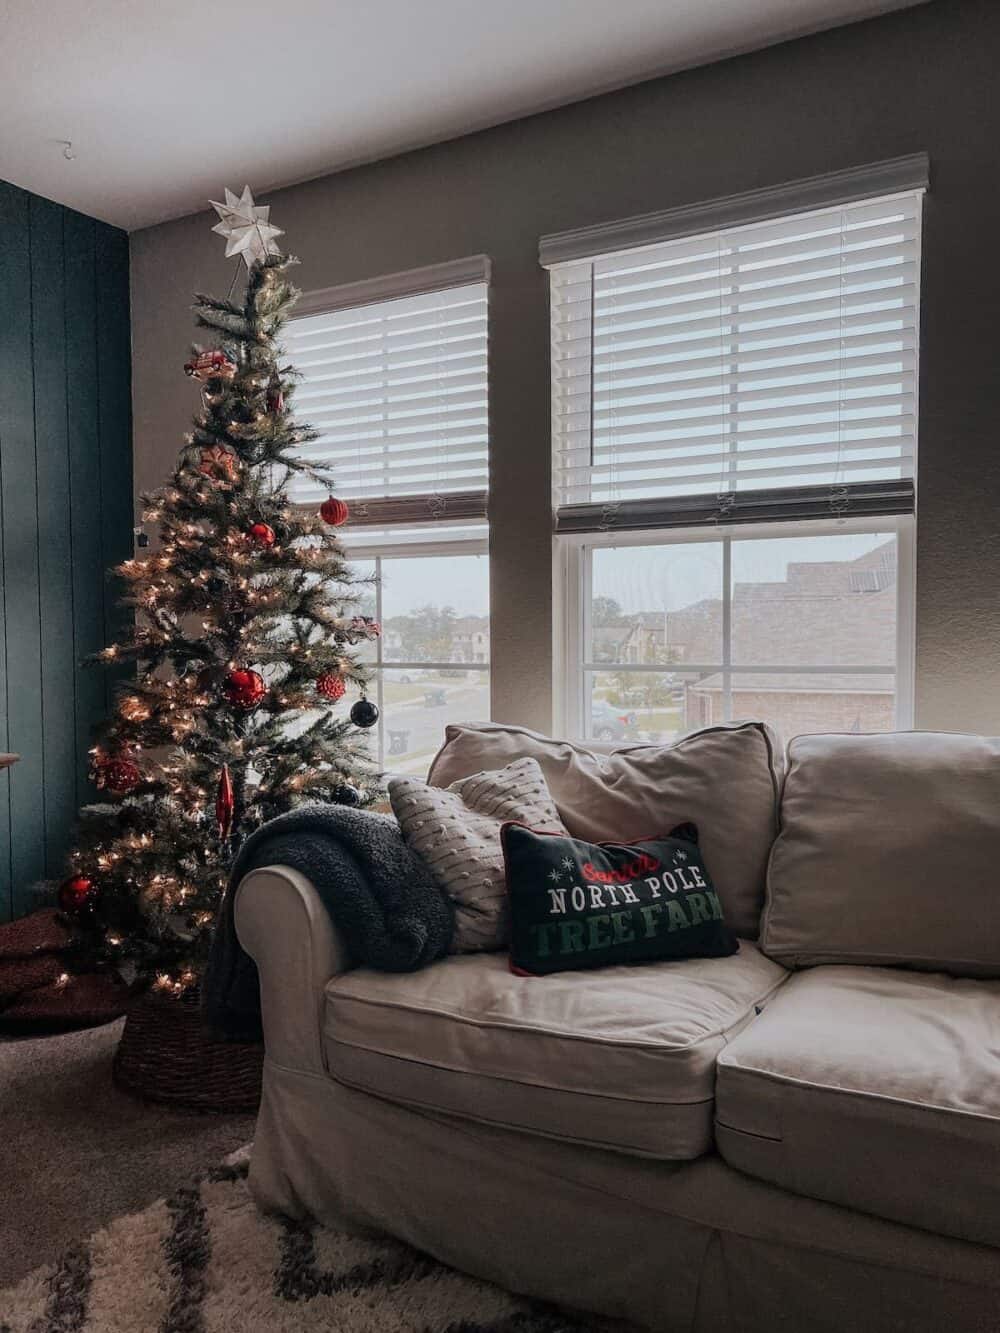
364,713
345,794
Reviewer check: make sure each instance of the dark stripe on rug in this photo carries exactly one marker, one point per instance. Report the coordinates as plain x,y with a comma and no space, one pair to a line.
298,1277
69,1290
228,1171
186,1247
540,1318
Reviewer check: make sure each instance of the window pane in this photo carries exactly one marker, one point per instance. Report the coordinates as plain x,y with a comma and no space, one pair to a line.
657,605
623,705
817,615
416,706
815,601
436,609
797,702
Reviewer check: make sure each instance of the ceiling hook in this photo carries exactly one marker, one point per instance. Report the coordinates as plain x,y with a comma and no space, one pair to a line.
68,151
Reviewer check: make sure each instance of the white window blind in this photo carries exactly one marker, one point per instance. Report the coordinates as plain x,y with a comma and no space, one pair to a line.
728,373
397,390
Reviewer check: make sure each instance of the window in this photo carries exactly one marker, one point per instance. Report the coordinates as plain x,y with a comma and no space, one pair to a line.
798,625
394,382
734,433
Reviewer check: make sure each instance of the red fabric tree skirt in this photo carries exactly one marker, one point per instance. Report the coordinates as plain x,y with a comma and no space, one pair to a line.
41,932
39,991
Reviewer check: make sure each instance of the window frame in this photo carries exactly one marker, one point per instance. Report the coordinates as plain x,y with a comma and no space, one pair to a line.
573,588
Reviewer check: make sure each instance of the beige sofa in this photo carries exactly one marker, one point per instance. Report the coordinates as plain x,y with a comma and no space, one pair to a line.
798,1137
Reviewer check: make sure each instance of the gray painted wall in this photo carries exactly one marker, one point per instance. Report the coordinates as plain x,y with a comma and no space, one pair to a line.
65,515
922,79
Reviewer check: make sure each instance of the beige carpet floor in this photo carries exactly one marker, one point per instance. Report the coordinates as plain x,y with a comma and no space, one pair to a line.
76,1153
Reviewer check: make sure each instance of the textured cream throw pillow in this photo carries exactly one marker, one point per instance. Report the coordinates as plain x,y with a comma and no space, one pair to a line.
456,832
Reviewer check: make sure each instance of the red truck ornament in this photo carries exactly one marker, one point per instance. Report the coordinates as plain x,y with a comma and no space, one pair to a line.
214,364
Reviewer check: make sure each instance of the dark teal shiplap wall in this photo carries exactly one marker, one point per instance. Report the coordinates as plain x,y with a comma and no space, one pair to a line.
65,516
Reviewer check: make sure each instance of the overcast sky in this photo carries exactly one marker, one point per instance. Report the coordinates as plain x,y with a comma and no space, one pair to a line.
647,578
666,578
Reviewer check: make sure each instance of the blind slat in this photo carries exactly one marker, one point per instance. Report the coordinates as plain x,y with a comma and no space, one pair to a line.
398,468
863,369
355,357
331,404
577,461
885,262
783,353
828,318
690,256
644,406
786,359
887,447
777,344
710,482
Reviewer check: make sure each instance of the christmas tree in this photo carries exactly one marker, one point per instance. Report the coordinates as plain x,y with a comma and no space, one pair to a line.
240,649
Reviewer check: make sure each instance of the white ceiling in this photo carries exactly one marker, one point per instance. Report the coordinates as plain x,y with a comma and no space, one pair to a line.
165,101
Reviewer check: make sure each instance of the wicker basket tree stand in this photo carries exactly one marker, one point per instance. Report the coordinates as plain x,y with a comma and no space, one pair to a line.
167,1054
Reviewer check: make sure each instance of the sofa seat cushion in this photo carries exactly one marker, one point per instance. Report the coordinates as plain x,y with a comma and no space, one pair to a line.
623,1058
874,1088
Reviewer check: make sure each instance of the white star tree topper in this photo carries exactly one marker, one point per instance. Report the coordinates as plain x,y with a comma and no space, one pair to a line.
246,227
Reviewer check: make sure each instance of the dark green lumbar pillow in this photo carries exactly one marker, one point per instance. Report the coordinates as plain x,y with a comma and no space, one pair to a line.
576,904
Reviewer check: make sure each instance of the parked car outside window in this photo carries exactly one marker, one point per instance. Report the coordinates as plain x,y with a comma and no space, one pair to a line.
609,724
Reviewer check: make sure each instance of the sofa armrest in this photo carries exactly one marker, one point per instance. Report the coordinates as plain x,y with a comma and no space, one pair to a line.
287,931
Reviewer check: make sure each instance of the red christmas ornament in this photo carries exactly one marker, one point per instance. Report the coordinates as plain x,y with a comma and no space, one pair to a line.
218,463
244,688
334,511
214,364
74,894
118,775
331,686
224,803
262,535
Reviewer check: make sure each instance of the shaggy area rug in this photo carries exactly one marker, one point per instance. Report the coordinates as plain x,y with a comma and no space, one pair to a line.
206,1261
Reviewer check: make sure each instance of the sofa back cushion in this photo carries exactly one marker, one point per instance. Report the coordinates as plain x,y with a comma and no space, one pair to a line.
888,854
725,780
